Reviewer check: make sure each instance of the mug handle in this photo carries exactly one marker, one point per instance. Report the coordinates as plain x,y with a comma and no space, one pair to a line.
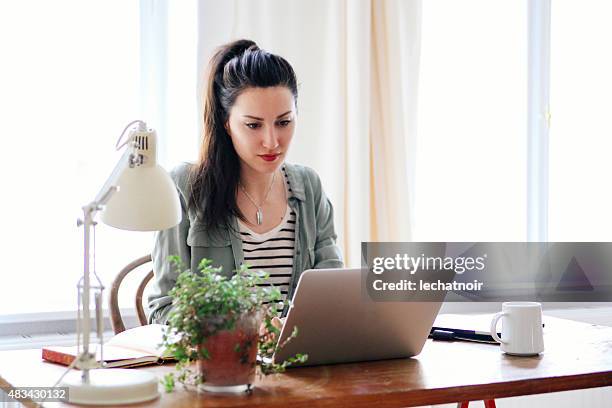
494,326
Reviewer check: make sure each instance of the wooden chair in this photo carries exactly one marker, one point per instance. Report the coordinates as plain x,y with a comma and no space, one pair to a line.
113,301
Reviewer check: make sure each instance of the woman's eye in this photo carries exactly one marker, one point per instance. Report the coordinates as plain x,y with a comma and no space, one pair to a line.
252,125
284,123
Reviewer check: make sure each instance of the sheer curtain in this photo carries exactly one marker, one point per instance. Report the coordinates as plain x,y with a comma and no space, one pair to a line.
357,65
396,32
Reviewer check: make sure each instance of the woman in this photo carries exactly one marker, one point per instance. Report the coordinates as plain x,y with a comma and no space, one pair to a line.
241,203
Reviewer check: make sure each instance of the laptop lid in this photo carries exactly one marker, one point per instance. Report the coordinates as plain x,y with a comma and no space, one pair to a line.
337,324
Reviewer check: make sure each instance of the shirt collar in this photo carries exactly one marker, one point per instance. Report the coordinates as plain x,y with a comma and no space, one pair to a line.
296,181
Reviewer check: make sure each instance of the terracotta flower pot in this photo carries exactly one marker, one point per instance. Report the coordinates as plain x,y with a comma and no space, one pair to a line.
233,353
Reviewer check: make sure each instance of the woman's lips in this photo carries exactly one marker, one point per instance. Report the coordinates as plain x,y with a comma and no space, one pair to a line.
269,157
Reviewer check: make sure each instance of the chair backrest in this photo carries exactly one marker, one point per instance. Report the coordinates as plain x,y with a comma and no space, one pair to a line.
113,301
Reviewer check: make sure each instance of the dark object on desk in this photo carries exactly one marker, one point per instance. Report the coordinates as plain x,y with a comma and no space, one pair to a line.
465,327
447,335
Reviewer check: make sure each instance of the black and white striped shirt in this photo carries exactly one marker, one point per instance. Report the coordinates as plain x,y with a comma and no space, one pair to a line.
272,251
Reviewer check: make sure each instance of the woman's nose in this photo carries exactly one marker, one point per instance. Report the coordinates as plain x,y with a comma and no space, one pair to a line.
270,140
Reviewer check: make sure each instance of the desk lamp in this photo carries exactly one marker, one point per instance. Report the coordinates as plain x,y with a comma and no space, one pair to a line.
138,196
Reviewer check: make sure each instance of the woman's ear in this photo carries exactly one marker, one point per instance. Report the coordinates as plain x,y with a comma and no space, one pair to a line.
227,127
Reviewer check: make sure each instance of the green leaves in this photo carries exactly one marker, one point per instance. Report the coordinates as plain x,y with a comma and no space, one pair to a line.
206,302
168,382
268,347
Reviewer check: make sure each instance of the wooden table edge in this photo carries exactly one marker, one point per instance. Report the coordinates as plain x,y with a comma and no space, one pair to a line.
478,392
473,392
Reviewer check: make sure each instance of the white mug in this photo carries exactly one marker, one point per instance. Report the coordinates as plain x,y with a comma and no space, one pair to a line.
521,328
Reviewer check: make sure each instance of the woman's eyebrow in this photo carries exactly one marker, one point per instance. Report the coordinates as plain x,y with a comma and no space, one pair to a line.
280,116
256,118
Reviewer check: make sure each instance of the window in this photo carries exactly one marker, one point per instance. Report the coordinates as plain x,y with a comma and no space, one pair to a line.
71,79
581,132
471,143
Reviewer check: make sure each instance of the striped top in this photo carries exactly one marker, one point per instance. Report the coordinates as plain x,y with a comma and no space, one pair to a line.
272,251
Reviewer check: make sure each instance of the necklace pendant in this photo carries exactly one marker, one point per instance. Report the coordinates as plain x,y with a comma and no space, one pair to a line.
259,216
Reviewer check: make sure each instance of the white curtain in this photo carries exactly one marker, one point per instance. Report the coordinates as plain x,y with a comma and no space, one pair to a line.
357,66
168,78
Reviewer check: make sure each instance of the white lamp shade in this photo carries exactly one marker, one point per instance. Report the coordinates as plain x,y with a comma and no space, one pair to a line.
147,200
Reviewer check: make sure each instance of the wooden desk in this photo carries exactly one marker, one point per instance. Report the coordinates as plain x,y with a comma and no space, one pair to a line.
577,355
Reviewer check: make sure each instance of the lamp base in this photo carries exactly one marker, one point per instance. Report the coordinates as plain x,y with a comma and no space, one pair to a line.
111,386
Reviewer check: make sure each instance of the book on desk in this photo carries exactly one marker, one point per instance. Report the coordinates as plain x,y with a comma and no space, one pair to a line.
131,348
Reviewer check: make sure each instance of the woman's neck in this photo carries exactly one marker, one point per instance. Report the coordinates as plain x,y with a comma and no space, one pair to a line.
255,183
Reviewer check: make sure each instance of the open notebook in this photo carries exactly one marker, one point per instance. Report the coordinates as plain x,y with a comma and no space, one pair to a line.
131,348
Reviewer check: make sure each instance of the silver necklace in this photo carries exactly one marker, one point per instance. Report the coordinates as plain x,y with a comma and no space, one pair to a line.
259,213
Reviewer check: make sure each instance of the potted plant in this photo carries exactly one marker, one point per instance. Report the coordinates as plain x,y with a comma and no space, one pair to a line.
216,325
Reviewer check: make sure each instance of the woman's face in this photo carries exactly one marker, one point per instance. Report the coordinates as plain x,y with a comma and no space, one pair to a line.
261,124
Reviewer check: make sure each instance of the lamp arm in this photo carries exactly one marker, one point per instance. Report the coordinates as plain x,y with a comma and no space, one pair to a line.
110,186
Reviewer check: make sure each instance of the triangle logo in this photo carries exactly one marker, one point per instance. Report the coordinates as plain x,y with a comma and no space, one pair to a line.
574,278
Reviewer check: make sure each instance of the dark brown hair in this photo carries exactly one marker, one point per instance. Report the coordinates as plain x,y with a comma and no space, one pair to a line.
214,179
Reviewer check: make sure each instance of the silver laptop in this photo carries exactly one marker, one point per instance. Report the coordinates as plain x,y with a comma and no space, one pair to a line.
337,324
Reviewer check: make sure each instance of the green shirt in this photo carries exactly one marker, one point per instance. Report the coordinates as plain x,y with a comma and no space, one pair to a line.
315,238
